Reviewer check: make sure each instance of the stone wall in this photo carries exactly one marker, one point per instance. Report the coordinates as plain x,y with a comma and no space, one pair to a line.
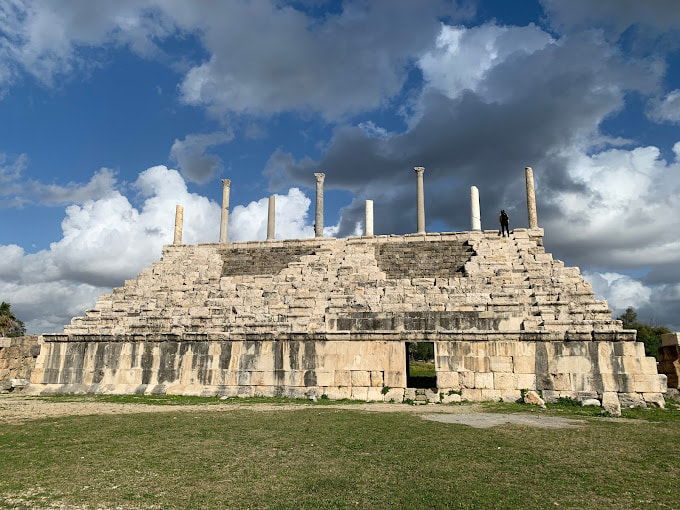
358,369
333,316
17,359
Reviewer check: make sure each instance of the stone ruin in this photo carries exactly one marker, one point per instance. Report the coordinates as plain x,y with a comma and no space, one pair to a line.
334,317
669,359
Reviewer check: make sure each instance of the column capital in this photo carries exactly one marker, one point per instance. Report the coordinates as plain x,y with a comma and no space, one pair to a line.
319,176
419,169
226,182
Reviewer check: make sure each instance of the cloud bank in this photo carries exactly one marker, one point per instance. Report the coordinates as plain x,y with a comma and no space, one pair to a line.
107,240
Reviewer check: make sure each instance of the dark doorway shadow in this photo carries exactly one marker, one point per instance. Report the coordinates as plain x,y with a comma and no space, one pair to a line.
420,370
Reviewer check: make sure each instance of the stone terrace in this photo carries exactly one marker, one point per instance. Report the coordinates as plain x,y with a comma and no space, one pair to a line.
466,285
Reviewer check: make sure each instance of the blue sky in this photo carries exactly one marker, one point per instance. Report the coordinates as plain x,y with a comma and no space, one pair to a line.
111,114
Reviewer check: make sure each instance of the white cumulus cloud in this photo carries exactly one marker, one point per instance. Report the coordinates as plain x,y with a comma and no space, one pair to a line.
666,109
108,240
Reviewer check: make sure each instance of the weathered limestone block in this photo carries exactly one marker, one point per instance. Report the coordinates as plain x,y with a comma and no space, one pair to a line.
669,358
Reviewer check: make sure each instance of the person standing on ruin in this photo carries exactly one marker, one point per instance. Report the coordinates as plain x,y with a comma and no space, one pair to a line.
504,220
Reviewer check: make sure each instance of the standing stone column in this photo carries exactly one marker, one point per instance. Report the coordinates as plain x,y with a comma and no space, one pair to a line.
420,198
475,216
271,218
179,222
318,222
531,197
368,221
224,218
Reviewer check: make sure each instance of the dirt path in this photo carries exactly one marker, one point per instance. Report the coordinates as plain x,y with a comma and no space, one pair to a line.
18,409
486,420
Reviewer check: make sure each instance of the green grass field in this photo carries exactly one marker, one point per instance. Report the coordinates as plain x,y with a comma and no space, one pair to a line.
322,456
421,369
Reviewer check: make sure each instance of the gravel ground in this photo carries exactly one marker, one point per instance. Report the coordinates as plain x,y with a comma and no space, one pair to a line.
19,409
486,420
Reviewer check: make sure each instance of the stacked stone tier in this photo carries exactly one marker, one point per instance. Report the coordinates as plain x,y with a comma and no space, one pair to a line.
472,285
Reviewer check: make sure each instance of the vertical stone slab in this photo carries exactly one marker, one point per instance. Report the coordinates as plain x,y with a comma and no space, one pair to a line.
179,222
224,217
531,197
475,215
420,199
368,221
318,221
271,218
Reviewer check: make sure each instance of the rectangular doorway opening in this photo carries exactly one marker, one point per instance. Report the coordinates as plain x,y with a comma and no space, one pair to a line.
420,371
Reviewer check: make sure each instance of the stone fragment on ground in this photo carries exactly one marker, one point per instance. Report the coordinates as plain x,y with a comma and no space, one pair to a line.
531,397
611,404
591,402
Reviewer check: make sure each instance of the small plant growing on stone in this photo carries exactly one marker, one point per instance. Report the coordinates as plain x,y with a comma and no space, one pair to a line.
385,389
408,401
454,392
324,397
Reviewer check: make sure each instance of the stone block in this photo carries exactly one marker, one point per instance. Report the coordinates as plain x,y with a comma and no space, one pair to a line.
466,379
525,381
376,378
500,364
511,395
504,381
448,380
491,395
338,393
394,379
561,382
611,404
361,378
409,394
342,378
471,394
359,393
572,364
394,395
654,398
374,394
452,398
484,380
524,364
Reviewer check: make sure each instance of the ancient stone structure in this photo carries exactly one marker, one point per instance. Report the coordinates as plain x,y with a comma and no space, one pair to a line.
318,218
224,215
368,219
271,218
179,224
335,317
531,197
475,215
420,199
669,358
17,360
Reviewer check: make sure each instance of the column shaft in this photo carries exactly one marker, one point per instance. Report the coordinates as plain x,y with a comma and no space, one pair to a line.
531,198
179,222
368,221
271,218
475,216
420,199
318,221
224,217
